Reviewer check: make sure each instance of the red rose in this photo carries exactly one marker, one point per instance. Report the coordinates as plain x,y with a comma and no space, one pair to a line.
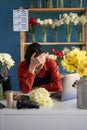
59,54
52,50
32,22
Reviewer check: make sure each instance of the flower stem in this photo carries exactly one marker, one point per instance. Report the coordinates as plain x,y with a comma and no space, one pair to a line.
79,37
55,35
80,3
68,37
1,92
70,3
57,3
68,32
79,32
61,3
39,3
49,3
44,37
32,37
31,3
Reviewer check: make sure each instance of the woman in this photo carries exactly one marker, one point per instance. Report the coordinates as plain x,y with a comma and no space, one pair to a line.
38,71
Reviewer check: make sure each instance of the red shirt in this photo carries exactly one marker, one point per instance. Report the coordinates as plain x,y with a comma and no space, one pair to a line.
26,79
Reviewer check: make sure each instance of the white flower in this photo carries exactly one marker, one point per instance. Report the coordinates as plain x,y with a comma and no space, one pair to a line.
50,21
67,50
82,20
42,96
65,15
51,56
45,22
71,18
6,60
56,23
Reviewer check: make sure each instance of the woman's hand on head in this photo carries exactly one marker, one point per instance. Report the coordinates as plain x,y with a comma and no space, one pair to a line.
41,59
36,61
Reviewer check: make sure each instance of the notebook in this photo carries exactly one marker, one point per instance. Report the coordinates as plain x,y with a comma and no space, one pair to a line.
69,92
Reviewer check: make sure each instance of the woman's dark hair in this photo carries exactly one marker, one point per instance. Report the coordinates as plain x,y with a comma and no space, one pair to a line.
31,49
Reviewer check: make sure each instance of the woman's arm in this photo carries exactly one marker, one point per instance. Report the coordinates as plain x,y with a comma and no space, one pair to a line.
25,77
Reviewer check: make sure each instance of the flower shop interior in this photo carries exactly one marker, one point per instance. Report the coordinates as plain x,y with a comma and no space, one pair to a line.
56,36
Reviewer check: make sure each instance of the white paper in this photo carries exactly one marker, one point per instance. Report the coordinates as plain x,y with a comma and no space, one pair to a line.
20,20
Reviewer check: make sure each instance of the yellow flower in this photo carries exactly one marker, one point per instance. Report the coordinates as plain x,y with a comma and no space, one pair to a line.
76,61
42,96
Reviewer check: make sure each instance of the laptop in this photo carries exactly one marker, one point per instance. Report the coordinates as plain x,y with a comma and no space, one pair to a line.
69,92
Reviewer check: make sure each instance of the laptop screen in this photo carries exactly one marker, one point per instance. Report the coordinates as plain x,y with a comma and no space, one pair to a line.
69,92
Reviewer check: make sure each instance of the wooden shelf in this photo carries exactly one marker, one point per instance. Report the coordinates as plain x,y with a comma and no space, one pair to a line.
56,9
23,42
58,43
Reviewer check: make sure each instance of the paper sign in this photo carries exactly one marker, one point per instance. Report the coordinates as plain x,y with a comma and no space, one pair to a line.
20,20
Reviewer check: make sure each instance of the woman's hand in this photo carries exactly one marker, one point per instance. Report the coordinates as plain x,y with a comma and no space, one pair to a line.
37,61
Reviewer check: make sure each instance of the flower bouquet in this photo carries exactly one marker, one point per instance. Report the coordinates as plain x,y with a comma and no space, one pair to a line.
81,22
6,62
32,28
41,96
55,24
69,20
46,23
75,61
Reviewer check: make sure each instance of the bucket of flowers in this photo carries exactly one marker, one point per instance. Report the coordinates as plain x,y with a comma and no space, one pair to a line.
6,62
76,62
